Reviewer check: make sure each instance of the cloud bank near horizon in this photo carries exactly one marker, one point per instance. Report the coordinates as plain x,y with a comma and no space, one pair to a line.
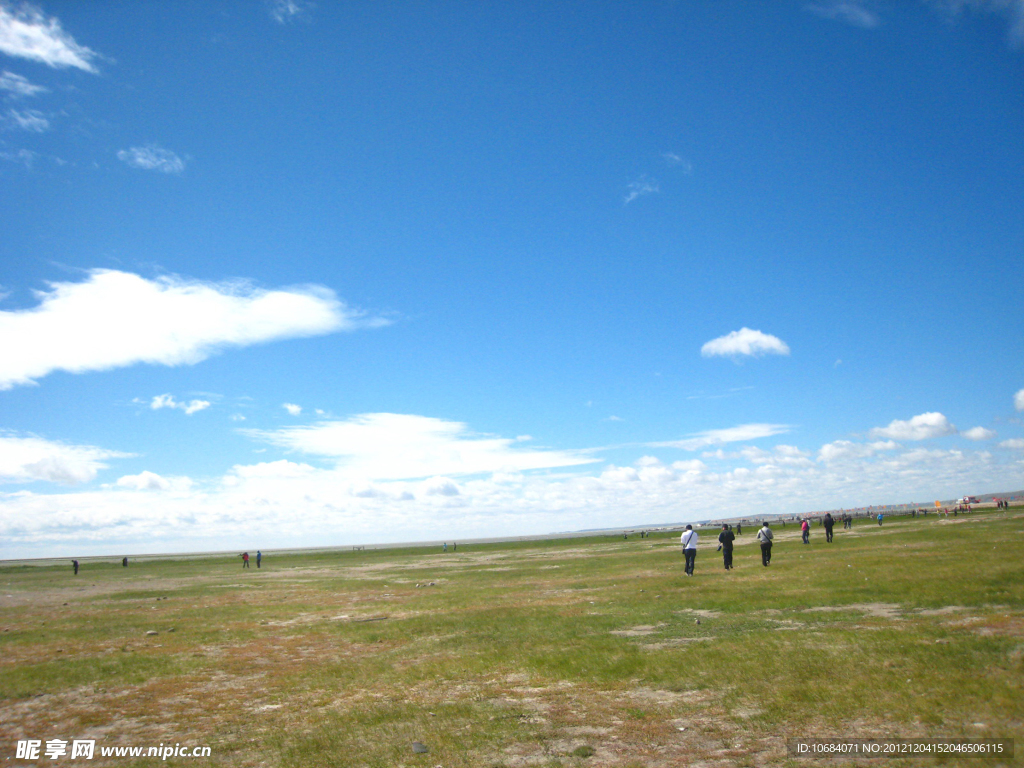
285,501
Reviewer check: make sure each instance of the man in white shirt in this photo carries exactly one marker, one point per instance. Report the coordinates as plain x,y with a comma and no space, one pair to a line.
765,536
689,542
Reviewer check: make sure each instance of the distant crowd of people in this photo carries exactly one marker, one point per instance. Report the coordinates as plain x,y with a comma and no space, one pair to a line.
765,536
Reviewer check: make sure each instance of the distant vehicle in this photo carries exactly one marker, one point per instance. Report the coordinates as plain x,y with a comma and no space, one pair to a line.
968,500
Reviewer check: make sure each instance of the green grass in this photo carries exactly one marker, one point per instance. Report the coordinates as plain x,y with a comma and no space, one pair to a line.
590,651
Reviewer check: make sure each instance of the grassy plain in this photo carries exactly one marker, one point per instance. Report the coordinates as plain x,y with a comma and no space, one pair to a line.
583,652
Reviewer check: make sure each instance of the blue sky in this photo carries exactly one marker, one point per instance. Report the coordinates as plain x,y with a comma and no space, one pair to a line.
295,274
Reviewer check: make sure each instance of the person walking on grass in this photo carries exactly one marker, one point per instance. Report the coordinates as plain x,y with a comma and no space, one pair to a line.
689,542
828,521
74,564
725,540
765,536
879,519
245,559
805,531
259,556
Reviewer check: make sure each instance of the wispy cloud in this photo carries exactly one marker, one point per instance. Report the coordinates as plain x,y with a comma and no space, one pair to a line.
678,161
978,433
922,427
1011,10
27,34
403,446
1015,443
152,158
168,401
27,120
639,188
713,437
24,157
745,342
292,408
18,86
115,319
284,11
1018,400
856,14
24,459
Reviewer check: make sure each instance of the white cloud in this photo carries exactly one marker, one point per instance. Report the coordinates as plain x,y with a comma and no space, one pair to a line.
693,465
25,33
115,319
845,450
854,13
978,433
745,342
144,481
292,408
711,437
283,11
18,86
395,446
27,120
640,187
441,486
168,401
1015,443
152,158
24,459
921,427
1018,400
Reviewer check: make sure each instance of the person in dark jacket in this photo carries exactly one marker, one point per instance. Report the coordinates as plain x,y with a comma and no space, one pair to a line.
725,540
828,522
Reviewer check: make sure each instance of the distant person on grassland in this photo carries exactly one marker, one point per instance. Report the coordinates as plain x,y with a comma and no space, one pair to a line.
259,557
124,562
765,536
689,542
739,528
245,559
725,540
74,564
828,521
880,519
805,531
